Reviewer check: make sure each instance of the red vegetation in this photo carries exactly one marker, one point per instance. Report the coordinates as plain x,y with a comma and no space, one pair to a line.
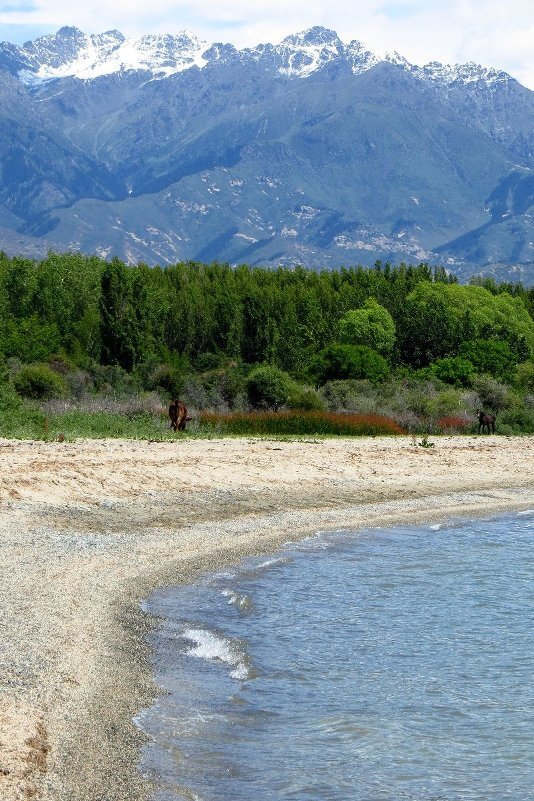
301,422
451,423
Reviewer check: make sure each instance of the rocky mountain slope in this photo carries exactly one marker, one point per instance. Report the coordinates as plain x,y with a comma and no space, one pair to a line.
311,151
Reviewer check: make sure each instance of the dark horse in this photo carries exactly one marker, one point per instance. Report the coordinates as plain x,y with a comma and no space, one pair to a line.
178,415
486,422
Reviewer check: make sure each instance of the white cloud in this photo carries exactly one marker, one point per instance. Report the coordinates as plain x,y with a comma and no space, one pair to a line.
490,32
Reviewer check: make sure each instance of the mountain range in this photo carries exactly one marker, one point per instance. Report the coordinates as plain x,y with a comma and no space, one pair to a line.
311,151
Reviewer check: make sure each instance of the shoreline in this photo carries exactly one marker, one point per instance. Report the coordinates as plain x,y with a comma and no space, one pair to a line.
90,528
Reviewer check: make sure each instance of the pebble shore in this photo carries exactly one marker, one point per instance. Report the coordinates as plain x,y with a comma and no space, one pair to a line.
89,528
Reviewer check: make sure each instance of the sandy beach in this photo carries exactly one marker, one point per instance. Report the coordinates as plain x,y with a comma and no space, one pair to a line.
88,529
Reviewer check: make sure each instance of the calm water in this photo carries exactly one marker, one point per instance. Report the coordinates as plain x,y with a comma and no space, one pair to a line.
377,666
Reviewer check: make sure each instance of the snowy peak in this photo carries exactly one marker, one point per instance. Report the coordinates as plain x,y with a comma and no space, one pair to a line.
359,58
72,53
305,52
469,73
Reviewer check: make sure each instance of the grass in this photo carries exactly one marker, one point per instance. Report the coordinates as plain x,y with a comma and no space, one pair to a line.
26,420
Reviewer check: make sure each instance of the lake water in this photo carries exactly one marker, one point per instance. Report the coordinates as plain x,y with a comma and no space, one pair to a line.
382,665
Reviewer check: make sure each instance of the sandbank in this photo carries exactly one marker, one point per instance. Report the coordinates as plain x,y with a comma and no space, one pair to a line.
89,528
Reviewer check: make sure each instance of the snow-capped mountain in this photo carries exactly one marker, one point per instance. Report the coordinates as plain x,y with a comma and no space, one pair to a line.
309,151
72,53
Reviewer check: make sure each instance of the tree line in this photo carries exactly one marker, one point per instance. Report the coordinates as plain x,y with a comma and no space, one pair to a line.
315,325
89,308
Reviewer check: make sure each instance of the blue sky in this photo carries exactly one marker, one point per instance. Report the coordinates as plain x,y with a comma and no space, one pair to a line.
488,32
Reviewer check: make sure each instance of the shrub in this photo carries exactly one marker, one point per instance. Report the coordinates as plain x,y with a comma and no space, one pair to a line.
516,421
39,381
9,400
268,387
348,361
491,393
165,377
306,399
453,424
342,396
112,379
227,384
524,376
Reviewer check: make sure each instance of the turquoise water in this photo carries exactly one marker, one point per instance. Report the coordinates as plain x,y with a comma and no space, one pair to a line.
380,665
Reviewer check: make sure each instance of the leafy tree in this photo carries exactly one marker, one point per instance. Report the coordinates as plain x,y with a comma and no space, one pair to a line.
455,370
464,312
371,325
117,317
340,361
427,330
492,356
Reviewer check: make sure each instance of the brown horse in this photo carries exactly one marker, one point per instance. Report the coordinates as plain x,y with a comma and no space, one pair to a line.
486,422
178,415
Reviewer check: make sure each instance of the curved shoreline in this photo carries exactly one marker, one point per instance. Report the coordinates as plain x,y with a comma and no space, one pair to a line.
90,528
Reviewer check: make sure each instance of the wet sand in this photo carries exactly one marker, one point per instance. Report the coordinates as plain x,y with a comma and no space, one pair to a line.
87,529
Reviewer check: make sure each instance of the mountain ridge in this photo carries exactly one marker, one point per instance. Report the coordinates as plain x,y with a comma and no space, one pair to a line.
72,53
311,151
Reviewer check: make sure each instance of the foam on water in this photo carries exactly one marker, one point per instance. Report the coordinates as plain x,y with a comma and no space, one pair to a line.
212,646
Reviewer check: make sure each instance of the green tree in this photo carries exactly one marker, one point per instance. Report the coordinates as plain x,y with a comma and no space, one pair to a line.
492,356
455,370
371,325
438,317
117,317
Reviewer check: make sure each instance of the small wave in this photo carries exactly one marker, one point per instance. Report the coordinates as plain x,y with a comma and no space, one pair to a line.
243,602
436,527
216,647
253,571
525,512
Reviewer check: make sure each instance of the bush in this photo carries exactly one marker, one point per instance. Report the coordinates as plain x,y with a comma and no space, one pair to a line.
9,400
516,421
268,387
166,378
226,383
112,379
453,424
342,396
492,394
39,381
306,399
348,361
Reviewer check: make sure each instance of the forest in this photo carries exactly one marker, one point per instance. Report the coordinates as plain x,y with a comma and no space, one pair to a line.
95,347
